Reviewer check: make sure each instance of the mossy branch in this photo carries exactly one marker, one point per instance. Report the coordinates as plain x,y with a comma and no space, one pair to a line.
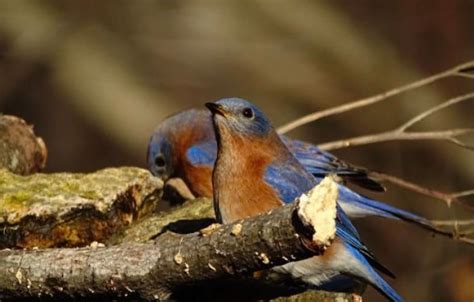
154,270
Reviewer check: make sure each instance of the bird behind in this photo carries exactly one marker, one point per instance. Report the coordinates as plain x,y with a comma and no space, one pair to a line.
172,150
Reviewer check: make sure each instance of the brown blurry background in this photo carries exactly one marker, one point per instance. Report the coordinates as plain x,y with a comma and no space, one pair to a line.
95,77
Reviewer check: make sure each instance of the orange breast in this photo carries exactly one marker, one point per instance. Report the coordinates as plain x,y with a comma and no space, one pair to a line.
191,132
242,191
198,179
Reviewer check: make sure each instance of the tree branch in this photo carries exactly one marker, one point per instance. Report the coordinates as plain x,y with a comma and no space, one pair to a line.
393,135
467,222
448,198
462,70
72,209
453,226
463,193
434,109
465,227
153,270
401,133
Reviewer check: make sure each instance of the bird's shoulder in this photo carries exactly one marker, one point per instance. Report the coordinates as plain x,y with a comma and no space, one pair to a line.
203,153
288,178
320,163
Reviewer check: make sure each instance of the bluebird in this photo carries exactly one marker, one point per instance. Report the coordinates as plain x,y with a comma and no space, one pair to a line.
255,172
184,145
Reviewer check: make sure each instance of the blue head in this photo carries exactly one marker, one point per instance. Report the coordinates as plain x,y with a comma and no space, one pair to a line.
239,117
159,155
173,137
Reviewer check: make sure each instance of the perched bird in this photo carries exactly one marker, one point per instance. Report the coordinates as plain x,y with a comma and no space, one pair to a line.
184,145
255,172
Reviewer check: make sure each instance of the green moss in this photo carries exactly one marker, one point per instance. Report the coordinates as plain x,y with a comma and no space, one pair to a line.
41,194
142,230
15,202
19,197
6,177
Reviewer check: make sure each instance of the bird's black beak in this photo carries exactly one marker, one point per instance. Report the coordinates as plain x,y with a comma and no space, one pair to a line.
216,108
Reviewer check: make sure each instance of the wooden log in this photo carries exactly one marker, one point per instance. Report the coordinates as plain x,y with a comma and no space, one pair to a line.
72,209
154,270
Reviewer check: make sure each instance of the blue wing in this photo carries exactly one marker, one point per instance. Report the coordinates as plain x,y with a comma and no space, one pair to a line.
356,205
346,231
290,182
320,163
365,265
202,154
288,179
314,159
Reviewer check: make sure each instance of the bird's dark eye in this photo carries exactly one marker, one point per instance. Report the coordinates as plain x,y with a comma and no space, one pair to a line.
160,161
247,112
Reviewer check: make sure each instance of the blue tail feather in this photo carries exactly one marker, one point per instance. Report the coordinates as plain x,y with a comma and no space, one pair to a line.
356,205
373,278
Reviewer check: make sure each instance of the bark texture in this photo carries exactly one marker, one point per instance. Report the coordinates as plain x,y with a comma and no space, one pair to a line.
21,152
68,210
154,270
188,217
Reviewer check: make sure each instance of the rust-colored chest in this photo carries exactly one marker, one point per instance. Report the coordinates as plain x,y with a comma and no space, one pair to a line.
240,189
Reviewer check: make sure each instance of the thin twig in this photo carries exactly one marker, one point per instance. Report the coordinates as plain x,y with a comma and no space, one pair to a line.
456,225
466,75
453,226
400,132
466,222
396,135
448,198
463,193
466,240
460,70
434,109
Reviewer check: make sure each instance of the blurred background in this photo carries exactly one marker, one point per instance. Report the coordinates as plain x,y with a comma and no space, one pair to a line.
95,78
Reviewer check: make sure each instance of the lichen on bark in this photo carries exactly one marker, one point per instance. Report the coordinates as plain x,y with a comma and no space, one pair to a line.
66,209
